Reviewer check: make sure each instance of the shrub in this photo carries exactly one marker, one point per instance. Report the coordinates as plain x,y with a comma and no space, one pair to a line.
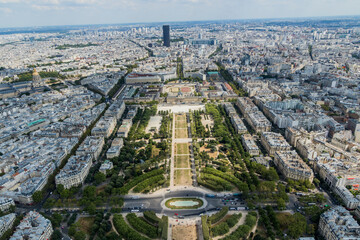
141,226
219,215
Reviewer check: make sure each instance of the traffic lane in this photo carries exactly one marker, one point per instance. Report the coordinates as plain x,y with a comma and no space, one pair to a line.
184,193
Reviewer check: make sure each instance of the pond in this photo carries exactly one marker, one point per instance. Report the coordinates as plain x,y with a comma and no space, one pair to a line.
188,203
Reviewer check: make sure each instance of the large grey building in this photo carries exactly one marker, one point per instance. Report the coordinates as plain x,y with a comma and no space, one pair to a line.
166,35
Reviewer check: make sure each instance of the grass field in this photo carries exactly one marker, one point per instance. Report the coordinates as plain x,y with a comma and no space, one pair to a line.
181,133
183,177
182,162
180,124
182,148
180,117
86,223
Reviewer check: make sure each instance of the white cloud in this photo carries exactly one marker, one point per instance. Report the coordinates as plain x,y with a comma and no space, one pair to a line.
5,10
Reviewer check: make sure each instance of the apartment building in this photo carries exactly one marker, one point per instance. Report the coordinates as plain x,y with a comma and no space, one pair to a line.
338,224
274,142
6,222
33,227
250,145
6,203
75,171
91,145
292,166
104,127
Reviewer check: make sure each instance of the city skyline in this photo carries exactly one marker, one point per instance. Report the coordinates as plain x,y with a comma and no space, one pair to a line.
23,13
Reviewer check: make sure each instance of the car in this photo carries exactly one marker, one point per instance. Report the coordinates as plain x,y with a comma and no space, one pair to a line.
135,210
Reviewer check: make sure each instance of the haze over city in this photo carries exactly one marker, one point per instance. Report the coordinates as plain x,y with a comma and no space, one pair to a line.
24,13
179,120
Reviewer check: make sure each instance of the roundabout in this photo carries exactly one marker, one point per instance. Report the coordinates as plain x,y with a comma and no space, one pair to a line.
184,203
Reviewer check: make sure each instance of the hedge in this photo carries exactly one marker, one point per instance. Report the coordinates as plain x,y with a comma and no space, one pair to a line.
243,230
210,185
224,184
220,229
141,225
205,227
124,230
126,188
152,218
148,183
219,215
165,225
233,220
230,178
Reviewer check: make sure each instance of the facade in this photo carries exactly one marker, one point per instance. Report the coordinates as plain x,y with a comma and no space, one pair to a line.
338,224
258,122
140,78
104,127
124,128
274,142
37,82
6,203
33,227
115,148
75,171
250,145
115,110
107,165
6,222
166,35
246,106
91,145
292,166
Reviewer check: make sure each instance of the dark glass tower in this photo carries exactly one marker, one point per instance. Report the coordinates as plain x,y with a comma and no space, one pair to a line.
166,35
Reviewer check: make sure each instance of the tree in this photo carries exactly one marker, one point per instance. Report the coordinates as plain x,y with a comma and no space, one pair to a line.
297,226
80,235
56,235
281,204
91,208
99,178
89,192
56,219
37,196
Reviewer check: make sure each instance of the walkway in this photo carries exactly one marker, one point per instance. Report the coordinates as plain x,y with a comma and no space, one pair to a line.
233,229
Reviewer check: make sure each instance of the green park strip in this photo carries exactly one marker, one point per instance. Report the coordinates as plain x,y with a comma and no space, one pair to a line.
184,203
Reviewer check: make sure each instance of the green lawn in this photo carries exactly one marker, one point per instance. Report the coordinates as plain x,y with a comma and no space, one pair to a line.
182,161
182,148
183,177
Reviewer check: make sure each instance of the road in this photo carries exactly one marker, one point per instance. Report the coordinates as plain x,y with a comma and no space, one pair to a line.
154,203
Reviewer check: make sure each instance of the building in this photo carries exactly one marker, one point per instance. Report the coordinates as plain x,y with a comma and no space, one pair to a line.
115,110
37,82
107,165
115,148
250,145
274,142
75,171
166,35
33,227
292,166
140,78
6,203
91,145
338,224
124,128
104,127
6,222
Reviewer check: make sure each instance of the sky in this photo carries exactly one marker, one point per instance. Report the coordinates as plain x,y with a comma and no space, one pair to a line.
25,13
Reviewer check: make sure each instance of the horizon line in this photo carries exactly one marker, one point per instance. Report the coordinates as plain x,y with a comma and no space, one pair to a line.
185,21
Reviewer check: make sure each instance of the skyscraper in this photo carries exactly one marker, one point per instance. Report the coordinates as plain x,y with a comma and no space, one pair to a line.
166,35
